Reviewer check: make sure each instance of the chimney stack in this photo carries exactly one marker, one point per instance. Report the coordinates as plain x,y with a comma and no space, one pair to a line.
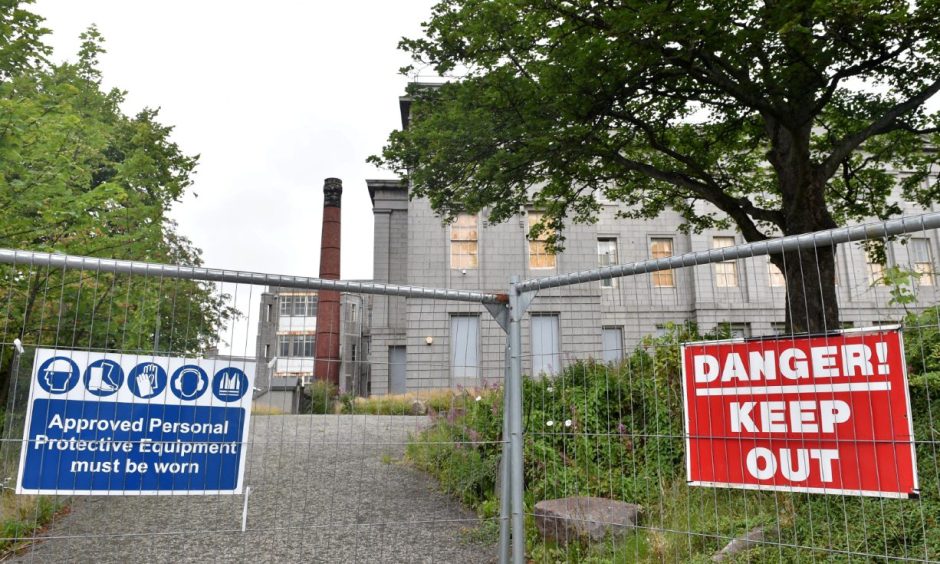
327,362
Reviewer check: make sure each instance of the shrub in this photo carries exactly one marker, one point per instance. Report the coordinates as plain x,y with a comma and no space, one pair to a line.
322,396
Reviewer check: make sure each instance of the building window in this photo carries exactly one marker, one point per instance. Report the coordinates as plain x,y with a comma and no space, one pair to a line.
726,273
876,272
267,312
463,242
607,256
661,247
777,279
539,255
305,344
267,351
305,306
546,346
465,348
612,343
296,345
778,328
298,305
922,260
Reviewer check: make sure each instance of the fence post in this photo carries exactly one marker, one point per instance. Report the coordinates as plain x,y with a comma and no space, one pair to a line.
514,391
504,484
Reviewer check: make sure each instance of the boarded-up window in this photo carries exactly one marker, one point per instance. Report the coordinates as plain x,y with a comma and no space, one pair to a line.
465,348
612,341
464,242
397,370
661,247
546,346
726,273
876,272
539,255
922,260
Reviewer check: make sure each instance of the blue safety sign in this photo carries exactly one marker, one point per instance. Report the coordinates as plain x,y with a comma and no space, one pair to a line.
113,424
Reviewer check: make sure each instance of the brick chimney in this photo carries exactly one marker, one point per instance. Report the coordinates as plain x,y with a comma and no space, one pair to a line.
327,363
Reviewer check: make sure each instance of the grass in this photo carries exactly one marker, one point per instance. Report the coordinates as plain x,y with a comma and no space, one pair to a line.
261,409
436,401
21,516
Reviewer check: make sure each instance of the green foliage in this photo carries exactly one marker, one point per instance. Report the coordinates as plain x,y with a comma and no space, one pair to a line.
21,32
322,396
661,105
634,412
900,283
79,176
922,341
463,446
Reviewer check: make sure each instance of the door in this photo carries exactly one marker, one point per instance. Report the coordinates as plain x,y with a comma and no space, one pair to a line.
397,361
546,353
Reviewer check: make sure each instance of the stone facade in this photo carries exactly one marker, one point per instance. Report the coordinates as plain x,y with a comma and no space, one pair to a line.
413,247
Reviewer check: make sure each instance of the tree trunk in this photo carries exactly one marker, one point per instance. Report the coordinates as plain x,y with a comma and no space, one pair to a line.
811,304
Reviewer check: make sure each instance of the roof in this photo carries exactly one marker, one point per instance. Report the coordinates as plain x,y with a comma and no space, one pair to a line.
382,184
404,102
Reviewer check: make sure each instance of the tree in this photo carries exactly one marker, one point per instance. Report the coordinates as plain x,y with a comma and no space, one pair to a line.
784,116
78,176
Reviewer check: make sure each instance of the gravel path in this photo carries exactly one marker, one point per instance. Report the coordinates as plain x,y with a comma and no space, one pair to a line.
323,489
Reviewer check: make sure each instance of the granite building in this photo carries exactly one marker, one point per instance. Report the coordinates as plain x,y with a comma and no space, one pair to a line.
425,344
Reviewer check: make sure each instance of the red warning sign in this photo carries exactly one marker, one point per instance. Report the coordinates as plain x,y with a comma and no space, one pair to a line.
827,414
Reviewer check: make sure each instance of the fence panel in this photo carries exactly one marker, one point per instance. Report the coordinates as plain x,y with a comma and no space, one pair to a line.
330,474
605,416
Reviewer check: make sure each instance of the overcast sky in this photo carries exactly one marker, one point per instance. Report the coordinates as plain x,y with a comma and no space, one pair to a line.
275,97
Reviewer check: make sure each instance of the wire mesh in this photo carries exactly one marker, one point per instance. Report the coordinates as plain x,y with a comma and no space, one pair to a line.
339,471
605,418
333,471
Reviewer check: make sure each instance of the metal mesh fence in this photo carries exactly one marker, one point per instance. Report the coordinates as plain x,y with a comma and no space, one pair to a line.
609,450
605,416
329,475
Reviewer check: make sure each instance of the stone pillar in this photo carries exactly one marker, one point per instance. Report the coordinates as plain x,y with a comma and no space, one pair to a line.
327,363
